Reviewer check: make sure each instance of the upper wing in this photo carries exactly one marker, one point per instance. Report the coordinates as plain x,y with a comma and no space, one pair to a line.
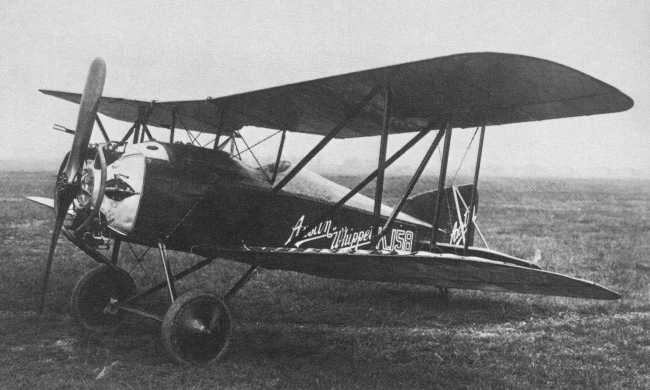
442,270
472,89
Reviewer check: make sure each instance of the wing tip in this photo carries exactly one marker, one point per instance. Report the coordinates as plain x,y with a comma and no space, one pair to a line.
51,92
629,102
610,295
596,291
620,100
43,201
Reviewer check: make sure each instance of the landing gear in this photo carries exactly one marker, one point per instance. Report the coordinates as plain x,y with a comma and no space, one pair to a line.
196,328
94,293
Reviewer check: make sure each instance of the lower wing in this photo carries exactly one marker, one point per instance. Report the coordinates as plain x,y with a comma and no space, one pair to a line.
47,202
422,267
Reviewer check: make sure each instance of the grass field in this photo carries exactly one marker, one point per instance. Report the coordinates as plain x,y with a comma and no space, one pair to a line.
298,331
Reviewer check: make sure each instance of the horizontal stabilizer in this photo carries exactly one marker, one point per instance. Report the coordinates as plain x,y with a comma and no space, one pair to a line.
442,270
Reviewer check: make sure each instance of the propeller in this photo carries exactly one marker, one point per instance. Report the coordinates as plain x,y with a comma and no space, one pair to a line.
68,182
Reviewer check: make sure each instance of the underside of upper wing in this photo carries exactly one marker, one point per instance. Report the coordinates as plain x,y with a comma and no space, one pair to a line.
469,89
442,270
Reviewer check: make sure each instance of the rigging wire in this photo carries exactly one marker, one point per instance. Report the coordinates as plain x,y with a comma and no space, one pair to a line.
209,142
189,133
259,142
462,160
252,154
194,139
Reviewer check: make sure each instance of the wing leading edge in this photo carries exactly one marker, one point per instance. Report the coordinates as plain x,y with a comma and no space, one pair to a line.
472,89
442,270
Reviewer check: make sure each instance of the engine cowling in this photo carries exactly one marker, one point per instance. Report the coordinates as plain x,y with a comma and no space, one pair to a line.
172,192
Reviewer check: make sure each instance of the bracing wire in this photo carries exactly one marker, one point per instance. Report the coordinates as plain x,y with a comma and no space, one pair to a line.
462,160
209,142
189,133
260,142
248,148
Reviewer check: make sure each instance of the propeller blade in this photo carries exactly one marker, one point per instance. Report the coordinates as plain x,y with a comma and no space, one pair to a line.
67,183
63,202
86,118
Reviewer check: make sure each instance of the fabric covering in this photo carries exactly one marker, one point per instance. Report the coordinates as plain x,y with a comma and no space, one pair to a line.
466,89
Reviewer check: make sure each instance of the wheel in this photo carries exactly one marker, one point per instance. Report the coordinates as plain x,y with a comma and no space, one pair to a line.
196,329
94,291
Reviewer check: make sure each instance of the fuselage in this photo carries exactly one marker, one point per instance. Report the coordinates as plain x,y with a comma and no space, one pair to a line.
198,200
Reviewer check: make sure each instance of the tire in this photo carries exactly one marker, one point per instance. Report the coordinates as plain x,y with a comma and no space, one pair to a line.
186,333
94,291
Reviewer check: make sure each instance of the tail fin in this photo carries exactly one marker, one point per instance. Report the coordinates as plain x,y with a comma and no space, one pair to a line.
453,212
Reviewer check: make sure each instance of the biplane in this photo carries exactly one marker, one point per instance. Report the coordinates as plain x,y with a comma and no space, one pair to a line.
205,200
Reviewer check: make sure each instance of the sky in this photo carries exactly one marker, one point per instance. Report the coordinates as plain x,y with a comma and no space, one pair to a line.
166,50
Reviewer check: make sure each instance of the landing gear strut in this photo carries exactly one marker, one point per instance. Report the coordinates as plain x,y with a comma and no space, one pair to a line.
195,329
